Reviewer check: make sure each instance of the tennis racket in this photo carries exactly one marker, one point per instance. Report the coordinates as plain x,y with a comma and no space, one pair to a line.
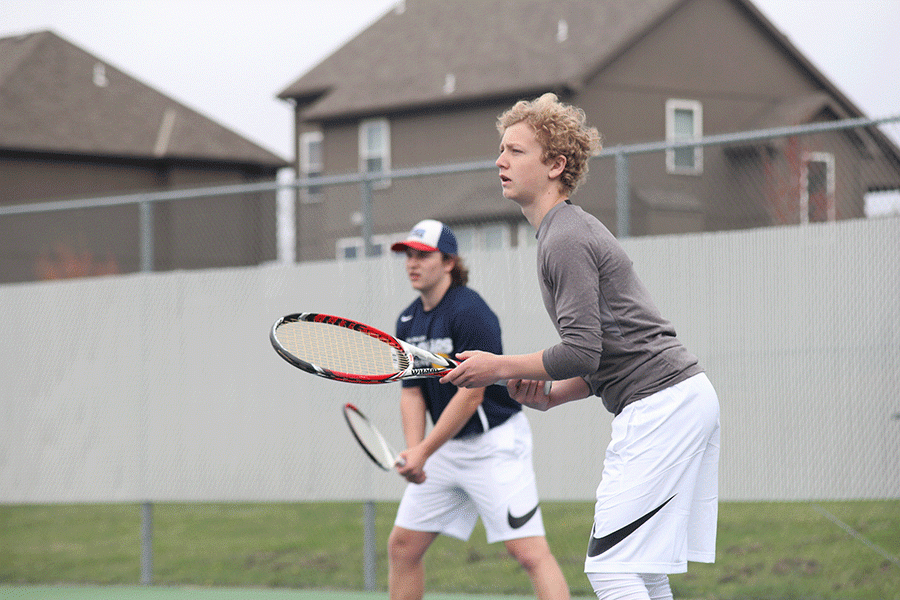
346,350
370,439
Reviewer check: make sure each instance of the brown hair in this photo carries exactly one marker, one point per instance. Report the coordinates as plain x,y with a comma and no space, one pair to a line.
460,273
561,130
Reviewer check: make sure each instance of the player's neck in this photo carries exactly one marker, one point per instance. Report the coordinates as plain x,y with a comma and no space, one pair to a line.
536,211
432,296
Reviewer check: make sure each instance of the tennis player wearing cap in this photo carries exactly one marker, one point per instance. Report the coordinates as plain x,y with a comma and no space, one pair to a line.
657,499
476,459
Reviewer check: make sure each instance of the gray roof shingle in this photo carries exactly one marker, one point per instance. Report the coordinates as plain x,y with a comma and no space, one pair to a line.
56,97
485,49
490,50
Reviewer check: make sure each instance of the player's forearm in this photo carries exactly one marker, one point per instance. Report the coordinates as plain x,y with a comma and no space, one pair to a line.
453,418
533,394
568,390
522,366
413,417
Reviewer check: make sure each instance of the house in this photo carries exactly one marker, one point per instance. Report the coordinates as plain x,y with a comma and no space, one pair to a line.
424,84
74,126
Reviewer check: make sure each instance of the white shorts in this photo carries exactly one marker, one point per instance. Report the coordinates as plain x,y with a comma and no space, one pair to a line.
657,502
488,474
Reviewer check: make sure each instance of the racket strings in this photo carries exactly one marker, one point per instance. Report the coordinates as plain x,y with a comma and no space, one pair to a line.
371,440
340,349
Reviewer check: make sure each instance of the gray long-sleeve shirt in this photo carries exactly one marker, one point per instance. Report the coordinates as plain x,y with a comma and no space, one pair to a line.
611,332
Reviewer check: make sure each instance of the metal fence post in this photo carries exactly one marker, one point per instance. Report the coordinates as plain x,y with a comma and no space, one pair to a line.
146,543
365,189
369,545
623,196
146,225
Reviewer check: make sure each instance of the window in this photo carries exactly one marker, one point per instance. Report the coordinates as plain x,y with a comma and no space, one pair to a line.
311,164
526,235
355,248
486,236
465,239
817,188
495,236
470,238
375,149
684,121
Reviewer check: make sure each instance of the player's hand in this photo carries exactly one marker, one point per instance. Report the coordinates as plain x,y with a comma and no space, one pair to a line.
529,393
412,468
477,369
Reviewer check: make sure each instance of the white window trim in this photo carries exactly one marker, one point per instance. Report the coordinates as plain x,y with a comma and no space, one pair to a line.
828,159
308,196
696,107
384,152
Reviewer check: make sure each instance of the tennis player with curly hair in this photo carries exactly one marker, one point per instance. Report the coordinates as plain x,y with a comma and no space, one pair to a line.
657,500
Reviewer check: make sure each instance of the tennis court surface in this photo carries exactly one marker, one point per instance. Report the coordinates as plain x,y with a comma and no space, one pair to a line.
68,592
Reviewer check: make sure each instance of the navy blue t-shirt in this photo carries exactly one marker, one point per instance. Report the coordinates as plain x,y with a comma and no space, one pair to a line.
461,321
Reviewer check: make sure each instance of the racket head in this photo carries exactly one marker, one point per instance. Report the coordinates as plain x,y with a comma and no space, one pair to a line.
339,348
370,439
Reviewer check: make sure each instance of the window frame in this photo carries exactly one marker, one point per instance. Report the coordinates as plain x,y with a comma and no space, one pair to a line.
826,158
673,105
383,152
312,194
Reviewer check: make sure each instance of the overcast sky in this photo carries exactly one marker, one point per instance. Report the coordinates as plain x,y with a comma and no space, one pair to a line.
229,59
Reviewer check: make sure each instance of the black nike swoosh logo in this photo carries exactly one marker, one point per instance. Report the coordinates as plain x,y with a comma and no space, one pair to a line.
516,522
598,546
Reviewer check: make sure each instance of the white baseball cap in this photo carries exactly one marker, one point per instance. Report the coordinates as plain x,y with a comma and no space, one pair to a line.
429,236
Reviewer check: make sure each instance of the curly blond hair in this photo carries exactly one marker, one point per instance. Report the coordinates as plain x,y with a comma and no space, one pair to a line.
561,130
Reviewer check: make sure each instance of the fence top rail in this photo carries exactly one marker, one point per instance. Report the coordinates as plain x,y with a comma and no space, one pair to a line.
748,136
366,179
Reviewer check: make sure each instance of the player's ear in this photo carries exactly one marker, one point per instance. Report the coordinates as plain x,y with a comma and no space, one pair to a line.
557,166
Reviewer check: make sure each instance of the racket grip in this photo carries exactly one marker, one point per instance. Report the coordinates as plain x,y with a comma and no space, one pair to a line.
548,385
400,462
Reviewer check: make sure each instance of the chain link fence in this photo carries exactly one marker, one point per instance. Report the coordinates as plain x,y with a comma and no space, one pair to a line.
797,324
781,177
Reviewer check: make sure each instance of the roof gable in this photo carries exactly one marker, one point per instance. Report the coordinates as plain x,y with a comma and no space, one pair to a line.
447,51
56,97
438,52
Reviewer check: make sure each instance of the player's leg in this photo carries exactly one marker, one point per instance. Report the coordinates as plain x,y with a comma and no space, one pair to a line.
547,579
618,586
426,510
658,587
406,573
631,586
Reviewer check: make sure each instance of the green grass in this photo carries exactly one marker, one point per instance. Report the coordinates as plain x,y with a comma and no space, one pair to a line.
765,550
